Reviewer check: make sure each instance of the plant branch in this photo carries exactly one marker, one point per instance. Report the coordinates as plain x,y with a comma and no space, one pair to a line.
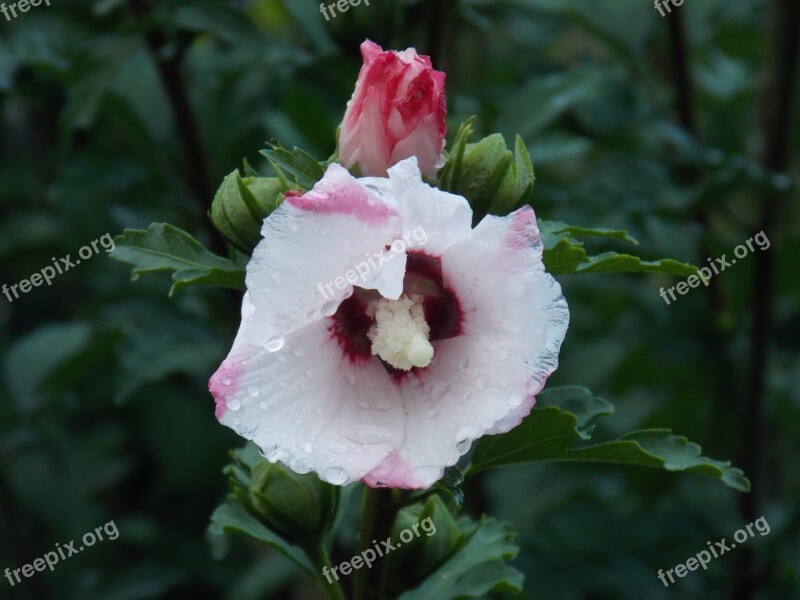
377,521
320,560
777,102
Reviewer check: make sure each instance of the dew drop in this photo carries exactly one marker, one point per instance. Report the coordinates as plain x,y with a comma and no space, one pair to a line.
440,390
226,381
363,405
464,364
262,405
329,308
384,406
275,344
462,446
306,447
481,383
349,377
317,410
298,351
337,447
504,353
293,226
467,432
486,356
515,400
310,374
253,391
234,404
336,476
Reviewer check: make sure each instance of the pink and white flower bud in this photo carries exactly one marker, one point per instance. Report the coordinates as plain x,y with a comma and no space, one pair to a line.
397,111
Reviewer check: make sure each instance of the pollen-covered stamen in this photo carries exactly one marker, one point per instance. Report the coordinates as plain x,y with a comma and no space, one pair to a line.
400,335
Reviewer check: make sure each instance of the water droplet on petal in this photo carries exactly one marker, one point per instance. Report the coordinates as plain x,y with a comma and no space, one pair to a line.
515,400
467,432
298,351
384,406
317,410
481,383
262,405
504,353
349,377
440,390
306,447
337,447
293,226
233,404
336,476
310,374
226,381
464,364
486,356
329,308
275,344
363,404
253,391
462,446
433,413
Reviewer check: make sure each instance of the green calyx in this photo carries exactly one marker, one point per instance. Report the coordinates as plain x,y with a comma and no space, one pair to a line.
241,205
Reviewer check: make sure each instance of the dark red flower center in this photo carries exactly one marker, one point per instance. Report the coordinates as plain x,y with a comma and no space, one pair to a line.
424,277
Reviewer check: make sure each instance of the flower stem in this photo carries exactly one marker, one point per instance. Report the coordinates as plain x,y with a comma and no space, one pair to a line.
319,558
377,521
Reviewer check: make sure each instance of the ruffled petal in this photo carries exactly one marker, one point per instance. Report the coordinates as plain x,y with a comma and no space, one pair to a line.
443,217
485,380
303,406
315,248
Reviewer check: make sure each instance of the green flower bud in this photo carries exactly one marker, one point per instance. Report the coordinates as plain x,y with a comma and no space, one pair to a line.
297,507
241,205
488,174
436,535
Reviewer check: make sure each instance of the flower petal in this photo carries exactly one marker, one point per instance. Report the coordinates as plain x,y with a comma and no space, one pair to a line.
306,263
304,406
484,381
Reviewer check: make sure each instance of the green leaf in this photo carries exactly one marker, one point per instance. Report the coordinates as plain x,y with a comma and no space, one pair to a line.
565,255
164,247
558,227
232,518
296,169
557,428
451,172
476,569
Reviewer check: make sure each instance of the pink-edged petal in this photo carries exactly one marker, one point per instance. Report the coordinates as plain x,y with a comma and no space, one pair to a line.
305,407
443,217
311,242
484,381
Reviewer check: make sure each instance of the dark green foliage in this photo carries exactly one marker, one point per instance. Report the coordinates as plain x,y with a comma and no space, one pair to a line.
115,115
